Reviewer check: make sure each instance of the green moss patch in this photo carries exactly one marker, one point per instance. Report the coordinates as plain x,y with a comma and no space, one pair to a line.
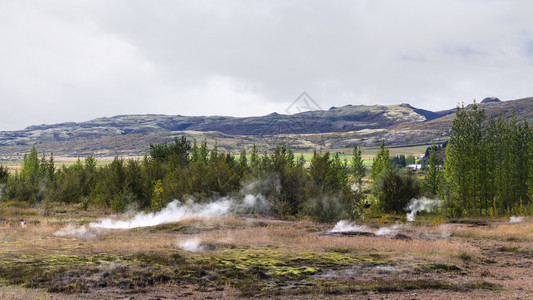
444,267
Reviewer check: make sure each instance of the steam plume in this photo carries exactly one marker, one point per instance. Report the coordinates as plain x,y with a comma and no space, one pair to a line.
192,245
345,226
80,232
388,230
175,211
422,204
516,219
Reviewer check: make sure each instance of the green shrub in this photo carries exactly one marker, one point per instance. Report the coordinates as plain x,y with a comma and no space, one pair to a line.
395,189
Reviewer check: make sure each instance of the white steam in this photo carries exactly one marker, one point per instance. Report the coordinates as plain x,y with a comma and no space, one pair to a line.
345,226
254,204
388,230
516,219
80,232
175,211
422,204
192,245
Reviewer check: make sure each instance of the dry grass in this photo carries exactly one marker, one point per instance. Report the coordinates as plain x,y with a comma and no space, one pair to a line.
285,237
238,251
503,231
39,235
16,292
41,238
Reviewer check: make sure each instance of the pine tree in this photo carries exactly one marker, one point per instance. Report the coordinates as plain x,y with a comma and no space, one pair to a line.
380,162
530,170
43,167
195,152
204,152
290,158
30,165
157,196
433,175
51,168
358,166
301,160
180,149
4,175
243,162
90,163
254,157
214,154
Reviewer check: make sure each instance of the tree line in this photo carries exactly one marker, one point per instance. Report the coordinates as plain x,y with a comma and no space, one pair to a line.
487,169
183,170
489,165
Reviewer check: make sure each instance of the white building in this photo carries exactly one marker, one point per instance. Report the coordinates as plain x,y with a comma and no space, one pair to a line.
414,167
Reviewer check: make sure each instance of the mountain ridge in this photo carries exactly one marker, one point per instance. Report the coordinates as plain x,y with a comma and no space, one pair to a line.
342,126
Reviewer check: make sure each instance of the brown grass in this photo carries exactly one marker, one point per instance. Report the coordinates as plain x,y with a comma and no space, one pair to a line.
503,231
241,241
38,236
285,237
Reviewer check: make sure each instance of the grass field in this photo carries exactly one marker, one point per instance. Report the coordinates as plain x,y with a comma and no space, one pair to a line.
368,153
52,253
15,165
345,153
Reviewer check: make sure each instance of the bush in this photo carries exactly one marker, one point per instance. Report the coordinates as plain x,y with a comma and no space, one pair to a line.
394,190
179,171
324,209
4,174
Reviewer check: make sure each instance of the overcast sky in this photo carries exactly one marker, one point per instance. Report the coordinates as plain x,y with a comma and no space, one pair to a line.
78,60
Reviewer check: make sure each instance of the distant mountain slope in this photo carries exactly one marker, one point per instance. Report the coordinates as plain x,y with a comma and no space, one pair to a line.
342,119
334,128
522,109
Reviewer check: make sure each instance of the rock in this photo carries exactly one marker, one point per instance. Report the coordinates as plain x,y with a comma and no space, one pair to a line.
347,233
400,236
491,100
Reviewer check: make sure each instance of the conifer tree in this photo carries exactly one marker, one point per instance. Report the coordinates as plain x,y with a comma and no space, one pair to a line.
204,152
380,162
358,166
433,175
530,171
195,152
243,162
51,168
254,157
30,165
214,154
43,167
4,175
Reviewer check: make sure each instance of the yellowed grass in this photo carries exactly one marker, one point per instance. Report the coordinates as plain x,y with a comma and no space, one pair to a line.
286,238
281,236
522,231
242,243
17,292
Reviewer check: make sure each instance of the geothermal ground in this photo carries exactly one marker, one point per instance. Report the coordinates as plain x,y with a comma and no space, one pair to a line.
68,253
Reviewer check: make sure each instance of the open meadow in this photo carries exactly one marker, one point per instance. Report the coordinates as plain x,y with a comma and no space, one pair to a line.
368,153
63,252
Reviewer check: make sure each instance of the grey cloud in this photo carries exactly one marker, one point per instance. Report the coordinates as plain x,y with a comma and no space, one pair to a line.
414,57
73,61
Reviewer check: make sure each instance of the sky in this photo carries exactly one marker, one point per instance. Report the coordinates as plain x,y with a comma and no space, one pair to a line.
78,60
